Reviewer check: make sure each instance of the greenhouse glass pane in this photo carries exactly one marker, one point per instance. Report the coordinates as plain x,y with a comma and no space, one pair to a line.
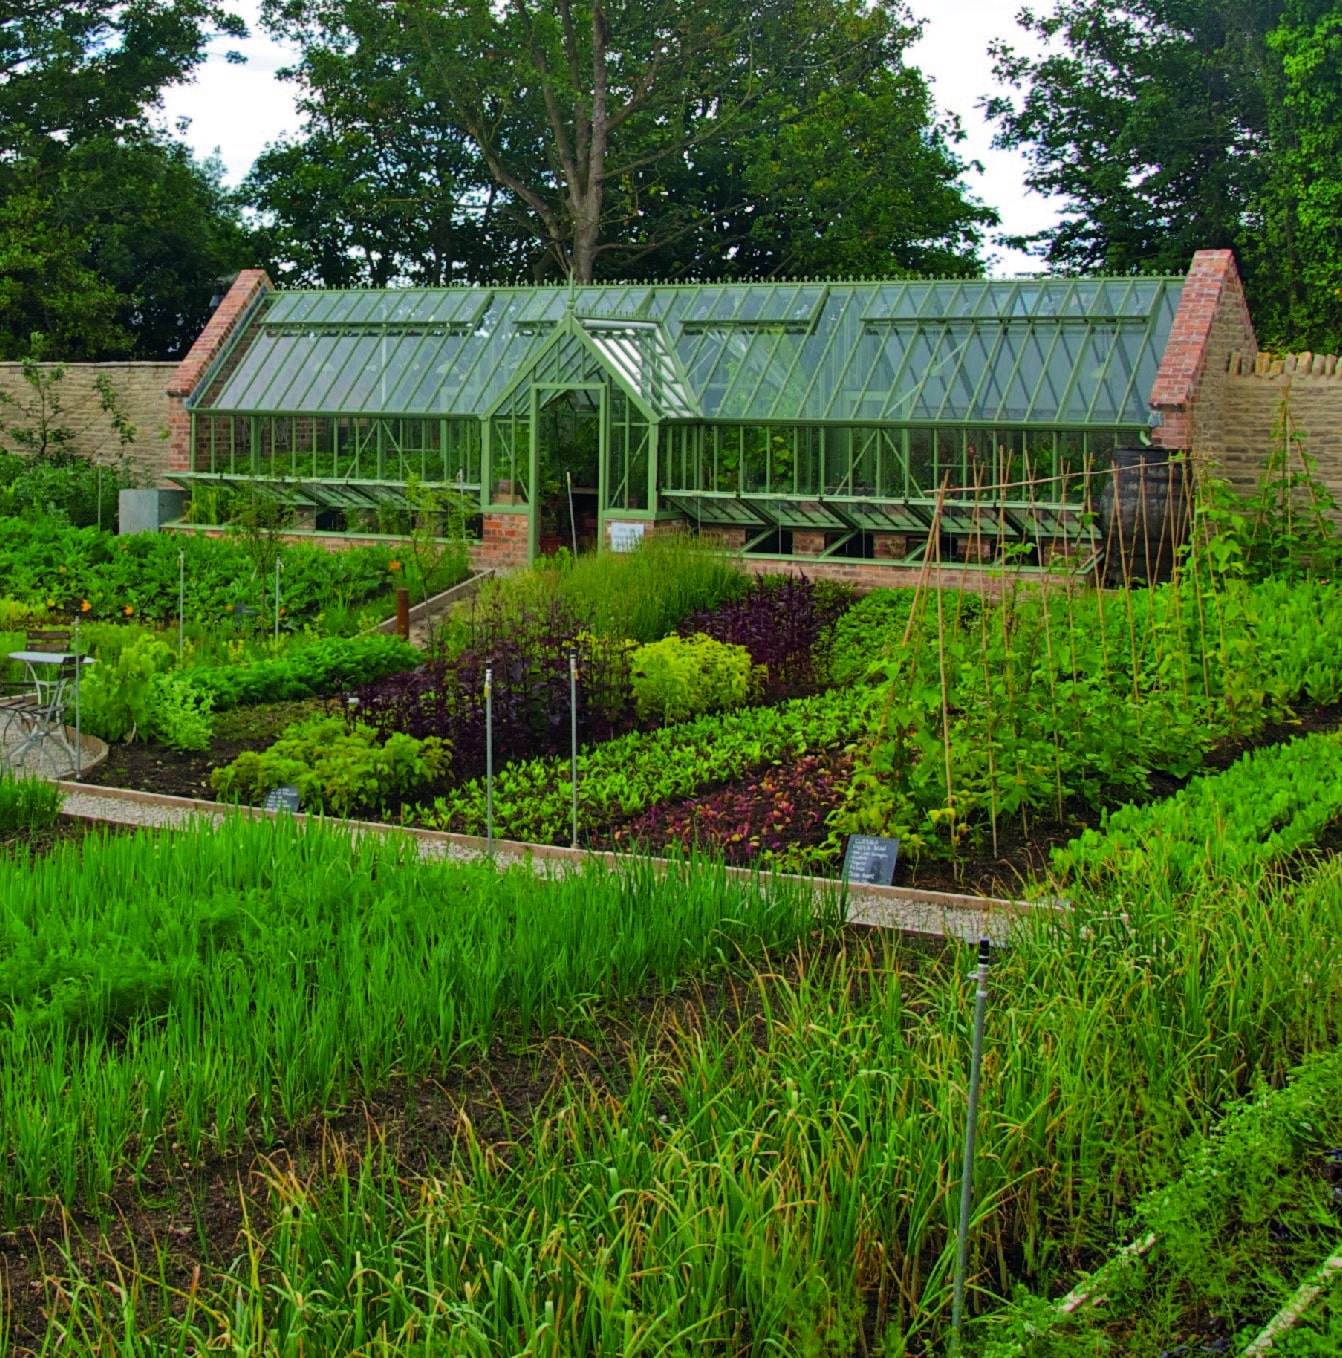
1029,351
938,371
922,462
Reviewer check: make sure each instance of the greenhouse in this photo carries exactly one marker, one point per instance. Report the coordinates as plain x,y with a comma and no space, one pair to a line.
788,419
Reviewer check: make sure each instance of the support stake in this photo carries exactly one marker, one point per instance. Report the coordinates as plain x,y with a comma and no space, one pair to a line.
573,731
489,758
572,520
181,604
278,565
79,735
971,1125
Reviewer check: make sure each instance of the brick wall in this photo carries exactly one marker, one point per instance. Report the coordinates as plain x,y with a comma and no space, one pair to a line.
247,286
141,390
504,540
1311,387
1211,324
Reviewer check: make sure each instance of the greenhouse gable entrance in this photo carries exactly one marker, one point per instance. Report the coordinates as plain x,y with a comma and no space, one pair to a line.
570,430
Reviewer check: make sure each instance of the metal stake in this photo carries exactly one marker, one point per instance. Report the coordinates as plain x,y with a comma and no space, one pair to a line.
181,603
489,758
277,601
573,728
572,521
100,497
971,1125
79,739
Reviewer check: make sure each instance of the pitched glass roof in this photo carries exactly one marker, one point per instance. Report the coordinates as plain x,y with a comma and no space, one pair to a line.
1050,351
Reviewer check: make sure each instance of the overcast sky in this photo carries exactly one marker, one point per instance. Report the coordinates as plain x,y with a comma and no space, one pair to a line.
236,110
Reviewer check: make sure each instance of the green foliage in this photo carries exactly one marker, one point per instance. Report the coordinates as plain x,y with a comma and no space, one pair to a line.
873,629
47,565
111,236
338,768
745,141
682,677
27,803
620,778
116,695
1265,809
1170,127
161,994
1249,1218
643,594
1054,695
179,714
316,671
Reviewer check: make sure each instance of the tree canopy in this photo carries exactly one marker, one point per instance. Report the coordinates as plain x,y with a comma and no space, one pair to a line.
111,236
600,138
1170,126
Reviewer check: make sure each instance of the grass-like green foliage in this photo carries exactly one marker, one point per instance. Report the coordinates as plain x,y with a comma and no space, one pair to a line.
1251,1217
763,1179
185,988
318,670
624,776
27,803
337,768
638,596
868,633
1269,805
1062,694
682,677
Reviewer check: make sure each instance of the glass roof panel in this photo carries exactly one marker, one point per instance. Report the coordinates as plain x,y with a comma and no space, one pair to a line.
1050,350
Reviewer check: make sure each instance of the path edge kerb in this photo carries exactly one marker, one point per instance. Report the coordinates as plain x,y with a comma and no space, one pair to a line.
940,914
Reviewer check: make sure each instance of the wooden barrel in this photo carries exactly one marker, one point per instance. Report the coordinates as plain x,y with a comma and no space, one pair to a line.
1143,511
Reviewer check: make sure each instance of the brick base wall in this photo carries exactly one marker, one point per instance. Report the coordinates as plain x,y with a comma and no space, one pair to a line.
504,541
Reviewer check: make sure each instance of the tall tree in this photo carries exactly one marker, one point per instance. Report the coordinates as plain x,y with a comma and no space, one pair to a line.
1164,126
111,237
600,137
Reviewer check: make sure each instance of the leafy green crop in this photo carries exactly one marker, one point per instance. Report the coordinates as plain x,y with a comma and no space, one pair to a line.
1269,805
337,768
316,671
682,677
617,780
1008,712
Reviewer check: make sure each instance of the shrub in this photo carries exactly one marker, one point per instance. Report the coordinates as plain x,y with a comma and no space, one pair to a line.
115,694
529,652
784,622
336,768
178,716
27,803
682,677
317,671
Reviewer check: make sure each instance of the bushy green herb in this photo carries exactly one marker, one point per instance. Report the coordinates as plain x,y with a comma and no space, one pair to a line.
682,677
338,768
116,693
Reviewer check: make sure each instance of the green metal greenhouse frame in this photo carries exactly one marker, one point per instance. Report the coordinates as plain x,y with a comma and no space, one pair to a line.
804,418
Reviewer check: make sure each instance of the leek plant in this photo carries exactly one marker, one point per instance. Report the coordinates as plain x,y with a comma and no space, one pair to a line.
210,988
779,1174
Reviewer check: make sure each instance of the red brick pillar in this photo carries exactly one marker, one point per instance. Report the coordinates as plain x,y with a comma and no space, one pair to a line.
219,329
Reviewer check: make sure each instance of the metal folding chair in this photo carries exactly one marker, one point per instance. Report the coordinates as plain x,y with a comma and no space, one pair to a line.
41,719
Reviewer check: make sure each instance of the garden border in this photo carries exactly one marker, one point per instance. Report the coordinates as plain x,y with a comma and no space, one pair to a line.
907,910
439,603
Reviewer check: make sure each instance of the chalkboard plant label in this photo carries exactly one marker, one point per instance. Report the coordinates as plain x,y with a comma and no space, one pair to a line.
283,798
870,859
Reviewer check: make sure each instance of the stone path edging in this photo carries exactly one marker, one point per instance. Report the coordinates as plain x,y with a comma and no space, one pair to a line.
934,914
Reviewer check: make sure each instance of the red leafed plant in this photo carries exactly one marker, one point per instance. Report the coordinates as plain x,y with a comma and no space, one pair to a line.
779,817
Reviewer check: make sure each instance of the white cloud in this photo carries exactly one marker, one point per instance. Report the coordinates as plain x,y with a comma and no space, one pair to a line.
237,110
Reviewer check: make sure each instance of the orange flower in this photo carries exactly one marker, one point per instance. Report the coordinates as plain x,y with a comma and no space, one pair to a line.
394,566
127,610
85,606
283,611
228,608
61,569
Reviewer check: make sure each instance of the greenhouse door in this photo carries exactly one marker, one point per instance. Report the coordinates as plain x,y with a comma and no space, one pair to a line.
570,425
